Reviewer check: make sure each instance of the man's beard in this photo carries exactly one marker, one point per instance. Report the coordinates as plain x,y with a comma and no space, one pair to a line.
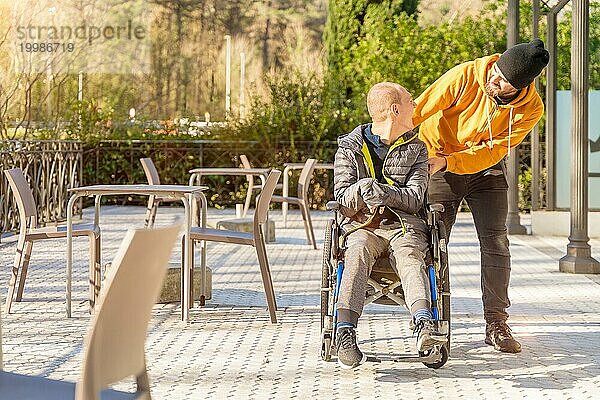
493,90
496,92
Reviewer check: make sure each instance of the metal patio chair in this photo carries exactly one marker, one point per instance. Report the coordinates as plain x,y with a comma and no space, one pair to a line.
114,345
255,238
302,199
251,186
29,232
153,201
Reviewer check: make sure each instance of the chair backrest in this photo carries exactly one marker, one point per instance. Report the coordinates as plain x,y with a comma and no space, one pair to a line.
1,363
245,163
305,175
23,194
150,171
262,205
115,342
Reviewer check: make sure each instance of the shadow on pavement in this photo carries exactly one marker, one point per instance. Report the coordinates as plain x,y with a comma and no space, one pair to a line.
538,366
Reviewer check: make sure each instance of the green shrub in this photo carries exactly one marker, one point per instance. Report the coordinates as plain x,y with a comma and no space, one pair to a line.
415,56
525,189
296,110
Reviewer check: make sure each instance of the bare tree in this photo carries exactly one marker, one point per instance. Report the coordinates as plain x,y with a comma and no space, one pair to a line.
186,75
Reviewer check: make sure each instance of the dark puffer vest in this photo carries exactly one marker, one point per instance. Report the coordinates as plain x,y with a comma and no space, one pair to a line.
404,170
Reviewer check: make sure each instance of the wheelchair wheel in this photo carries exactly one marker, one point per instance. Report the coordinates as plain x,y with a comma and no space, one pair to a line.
326,349
443,360
326,273
326,322
445,277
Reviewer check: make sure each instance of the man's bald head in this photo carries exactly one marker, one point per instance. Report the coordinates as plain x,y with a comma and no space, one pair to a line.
381,97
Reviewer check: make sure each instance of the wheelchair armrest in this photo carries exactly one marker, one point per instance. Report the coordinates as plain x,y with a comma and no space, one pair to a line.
436,207
333,206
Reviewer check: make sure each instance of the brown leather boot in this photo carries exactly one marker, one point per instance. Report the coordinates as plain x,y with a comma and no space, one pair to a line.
498,334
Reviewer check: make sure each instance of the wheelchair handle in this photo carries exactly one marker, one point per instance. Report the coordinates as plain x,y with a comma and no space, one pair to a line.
332,206
436,207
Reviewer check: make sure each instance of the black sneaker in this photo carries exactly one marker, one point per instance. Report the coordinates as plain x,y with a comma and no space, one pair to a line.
348,353
428,335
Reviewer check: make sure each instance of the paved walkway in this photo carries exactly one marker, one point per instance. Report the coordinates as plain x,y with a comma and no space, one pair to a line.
230,350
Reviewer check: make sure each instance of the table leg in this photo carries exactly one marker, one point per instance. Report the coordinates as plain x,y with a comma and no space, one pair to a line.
204,203
202,222
286,188
69,251
96,279
187,262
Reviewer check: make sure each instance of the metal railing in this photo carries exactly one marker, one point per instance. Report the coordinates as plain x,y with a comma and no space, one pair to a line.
51,166
117,161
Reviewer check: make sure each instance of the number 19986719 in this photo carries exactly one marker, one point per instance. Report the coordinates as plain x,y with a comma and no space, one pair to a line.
43,47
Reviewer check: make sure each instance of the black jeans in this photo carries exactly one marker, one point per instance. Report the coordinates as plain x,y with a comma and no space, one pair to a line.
486,194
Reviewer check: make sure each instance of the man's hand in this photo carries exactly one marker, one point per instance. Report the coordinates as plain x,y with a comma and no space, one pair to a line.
437,164
365,185
379,209
372,194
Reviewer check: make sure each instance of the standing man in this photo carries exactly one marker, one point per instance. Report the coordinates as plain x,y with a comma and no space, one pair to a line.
470,119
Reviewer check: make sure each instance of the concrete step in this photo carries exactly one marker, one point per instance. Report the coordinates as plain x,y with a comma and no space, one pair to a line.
246,225
171,290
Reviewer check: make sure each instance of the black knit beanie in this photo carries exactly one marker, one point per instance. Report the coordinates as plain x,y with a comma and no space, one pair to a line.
522,63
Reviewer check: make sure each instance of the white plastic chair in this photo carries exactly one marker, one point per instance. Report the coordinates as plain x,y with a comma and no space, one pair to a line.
251,186
29,231
114,345
153,201
302,199
255,238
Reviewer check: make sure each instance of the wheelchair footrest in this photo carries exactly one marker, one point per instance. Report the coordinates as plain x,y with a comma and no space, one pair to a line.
443,326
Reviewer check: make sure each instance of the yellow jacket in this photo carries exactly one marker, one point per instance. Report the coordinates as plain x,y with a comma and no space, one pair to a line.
461,122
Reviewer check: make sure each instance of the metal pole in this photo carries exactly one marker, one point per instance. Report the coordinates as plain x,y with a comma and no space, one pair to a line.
535,134
551,105
228,76
579,253
513,221
49,80
80,87
551,113
80,99
242,85
50,73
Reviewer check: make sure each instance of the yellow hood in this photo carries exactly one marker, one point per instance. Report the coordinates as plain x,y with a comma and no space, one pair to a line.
460,122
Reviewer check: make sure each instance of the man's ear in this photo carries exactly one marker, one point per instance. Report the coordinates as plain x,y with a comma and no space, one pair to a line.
394,108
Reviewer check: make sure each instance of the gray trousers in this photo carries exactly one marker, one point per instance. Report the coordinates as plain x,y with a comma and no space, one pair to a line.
406,254
486,195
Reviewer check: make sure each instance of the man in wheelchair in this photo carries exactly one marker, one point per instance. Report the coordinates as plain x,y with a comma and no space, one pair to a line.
381,169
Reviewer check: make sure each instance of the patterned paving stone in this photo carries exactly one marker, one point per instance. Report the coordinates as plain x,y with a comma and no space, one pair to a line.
229,349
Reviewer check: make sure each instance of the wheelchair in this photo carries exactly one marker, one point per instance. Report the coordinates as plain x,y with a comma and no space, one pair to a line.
384,286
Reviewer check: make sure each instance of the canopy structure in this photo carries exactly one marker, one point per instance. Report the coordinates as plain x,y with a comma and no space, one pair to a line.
578,258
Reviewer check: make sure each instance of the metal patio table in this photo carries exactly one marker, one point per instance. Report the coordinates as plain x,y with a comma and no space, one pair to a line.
187,194
198,173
